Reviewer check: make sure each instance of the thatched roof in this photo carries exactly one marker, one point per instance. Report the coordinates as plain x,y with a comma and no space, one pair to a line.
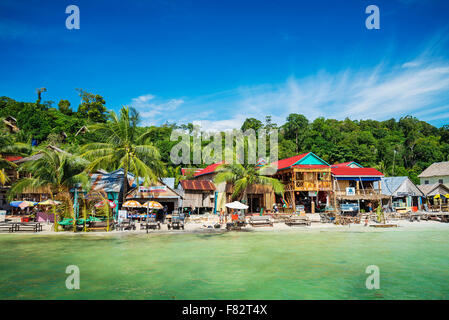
436,169
433,189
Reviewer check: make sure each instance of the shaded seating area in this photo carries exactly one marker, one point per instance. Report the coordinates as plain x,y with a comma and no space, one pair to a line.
91,224
126,224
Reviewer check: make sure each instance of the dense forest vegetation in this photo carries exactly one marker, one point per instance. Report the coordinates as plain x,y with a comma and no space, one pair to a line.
404,146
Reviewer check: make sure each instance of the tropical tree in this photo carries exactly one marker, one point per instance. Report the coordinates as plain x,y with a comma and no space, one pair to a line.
54,173
123,147
242,177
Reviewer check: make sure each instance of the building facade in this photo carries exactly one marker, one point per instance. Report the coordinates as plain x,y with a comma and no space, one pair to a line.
437,172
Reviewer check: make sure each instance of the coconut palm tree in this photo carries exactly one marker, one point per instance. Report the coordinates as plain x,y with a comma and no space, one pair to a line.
243,177
123,147
55,173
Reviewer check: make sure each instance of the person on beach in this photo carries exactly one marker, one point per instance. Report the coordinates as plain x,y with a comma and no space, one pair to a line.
221,215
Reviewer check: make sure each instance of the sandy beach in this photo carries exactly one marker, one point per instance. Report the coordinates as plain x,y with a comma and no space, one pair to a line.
207,226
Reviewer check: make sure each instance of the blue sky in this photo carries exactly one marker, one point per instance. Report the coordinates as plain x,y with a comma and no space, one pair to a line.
218,62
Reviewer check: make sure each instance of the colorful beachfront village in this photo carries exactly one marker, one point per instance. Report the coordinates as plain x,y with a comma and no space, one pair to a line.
304,190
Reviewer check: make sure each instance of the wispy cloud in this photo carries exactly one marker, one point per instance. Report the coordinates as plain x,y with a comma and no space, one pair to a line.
152,111
415,87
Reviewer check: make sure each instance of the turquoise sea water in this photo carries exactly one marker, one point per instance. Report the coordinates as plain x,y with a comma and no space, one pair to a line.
314,264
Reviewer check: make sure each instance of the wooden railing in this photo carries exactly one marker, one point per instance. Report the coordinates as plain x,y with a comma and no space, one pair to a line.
301,185
359,192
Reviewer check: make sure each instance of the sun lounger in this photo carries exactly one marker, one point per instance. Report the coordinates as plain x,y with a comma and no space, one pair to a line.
260,221
298,221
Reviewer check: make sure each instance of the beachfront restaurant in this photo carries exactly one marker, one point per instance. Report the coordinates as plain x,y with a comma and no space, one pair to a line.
403,195
198,196
260,198
162,192
307,183
354,184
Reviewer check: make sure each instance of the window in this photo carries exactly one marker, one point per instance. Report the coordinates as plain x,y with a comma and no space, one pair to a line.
426,181
440,181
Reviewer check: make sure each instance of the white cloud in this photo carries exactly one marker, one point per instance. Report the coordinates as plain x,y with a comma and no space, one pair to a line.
152,111
381,92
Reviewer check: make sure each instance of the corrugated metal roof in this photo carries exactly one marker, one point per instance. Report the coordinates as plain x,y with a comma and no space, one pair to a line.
356,172
288,162
398,187
169,182
110,182
202,185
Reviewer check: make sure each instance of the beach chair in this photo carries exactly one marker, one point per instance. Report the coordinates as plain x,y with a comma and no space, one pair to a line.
151,224
177,222
236,223
260,221
298,221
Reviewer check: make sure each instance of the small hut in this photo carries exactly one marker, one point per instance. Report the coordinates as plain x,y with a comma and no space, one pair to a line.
403,194
199,195
431,191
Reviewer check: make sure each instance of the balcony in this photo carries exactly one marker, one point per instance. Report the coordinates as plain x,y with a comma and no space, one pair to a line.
301,185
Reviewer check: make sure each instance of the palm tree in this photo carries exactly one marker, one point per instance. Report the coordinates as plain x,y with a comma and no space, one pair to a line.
243,177
123,147
56,173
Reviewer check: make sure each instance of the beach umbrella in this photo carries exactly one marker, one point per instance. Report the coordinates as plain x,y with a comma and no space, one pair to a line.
132,204
26,204
15,204
102,203
236,205
152,205
49,202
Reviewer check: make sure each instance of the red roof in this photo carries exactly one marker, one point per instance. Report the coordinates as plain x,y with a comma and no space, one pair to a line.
209,169
357,172
185,171
310,166
285,163
202,185
12,158
341,165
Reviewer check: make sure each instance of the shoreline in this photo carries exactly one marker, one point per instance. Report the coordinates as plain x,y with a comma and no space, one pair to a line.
199,228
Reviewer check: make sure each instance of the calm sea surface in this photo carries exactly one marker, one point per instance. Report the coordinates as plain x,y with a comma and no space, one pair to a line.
326,264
